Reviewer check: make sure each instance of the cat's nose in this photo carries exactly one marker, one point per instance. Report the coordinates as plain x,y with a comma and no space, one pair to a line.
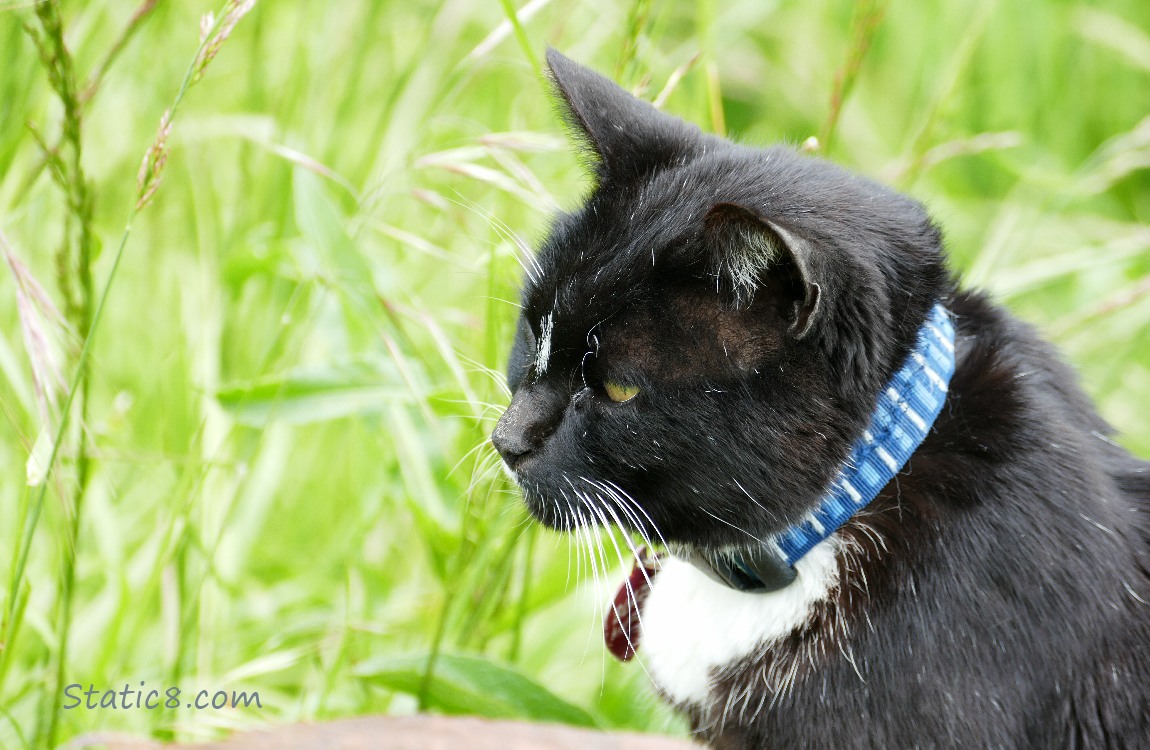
530,419
511,443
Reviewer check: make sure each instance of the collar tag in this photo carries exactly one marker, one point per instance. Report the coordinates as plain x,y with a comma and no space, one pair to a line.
623,624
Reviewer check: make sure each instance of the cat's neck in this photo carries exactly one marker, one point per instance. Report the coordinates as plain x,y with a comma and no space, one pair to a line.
902,419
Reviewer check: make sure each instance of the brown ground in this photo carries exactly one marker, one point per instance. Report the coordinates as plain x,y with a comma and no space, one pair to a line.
408,733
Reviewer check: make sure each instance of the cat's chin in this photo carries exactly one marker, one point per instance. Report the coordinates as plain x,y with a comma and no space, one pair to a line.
543,511
547,510
564,514
542,508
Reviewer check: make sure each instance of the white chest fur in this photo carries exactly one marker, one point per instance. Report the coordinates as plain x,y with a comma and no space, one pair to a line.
694,626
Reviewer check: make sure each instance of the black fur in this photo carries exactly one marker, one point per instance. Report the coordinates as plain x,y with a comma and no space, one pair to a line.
1002,595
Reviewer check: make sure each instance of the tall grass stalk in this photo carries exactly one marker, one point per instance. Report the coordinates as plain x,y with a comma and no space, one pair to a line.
922,136
525,44
638,19
868,15
86,312
74,269
716,117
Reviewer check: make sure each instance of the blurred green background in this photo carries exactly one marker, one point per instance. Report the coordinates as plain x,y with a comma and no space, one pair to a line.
282,482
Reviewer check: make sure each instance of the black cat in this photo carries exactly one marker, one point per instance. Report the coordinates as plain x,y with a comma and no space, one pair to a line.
738,353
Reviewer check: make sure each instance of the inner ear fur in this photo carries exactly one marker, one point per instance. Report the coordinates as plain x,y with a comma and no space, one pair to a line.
745,247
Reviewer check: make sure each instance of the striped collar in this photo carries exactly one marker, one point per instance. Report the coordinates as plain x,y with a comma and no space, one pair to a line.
902,419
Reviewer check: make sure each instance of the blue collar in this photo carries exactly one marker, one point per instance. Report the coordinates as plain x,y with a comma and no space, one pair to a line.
906,410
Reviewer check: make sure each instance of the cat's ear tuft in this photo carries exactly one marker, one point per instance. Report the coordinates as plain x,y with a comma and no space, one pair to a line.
746,249
627,136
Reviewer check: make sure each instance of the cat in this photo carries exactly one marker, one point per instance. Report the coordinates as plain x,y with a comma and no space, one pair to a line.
724,350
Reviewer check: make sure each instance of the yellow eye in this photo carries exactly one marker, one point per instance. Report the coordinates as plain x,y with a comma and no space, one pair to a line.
620,393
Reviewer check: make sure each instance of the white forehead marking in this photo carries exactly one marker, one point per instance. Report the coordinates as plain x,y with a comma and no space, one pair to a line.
544,353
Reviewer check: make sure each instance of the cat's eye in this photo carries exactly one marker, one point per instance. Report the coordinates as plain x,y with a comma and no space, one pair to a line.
620,393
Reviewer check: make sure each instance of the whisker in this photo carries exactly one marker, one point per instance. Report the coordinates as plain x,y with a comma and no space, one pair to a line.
623,494
504,231
578,540
626,539
769,513
594,565
496,376
728,523
619,553
616,501
621,503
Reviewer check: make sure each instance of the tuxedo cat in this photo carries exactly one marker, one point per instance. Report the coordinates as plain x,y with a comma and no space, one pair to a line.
889,515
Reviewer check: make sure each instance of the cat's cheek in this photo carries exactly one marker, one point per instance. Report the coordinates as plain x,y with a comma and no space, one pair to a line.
694,627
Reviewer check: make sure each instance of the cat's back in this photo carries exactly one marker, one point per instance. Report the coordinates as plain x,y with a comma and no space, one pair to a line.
1076,506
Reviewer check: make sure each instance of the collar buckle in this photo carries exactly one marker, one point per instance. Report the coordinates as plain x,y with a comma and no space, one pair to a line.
757,570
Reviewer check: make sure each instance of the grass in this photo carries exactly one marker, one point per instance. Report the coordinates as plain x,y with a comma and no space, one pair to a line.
281,483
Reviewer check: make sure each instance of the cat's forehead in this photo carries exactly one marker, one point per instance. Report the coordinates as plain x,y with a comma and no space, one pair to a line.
604,253
629,270
660,329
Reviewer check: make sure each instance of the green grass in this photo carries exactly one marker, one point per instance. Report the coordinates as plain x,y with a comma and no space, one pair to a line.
282,482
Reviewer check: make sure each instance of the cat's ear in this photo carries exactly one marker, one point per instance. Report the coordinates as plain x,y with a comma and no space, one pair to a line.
747,248
627,136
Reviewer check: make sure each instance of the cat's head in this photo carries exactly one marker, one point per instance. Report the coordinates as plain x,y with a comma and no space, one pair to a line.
702,340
